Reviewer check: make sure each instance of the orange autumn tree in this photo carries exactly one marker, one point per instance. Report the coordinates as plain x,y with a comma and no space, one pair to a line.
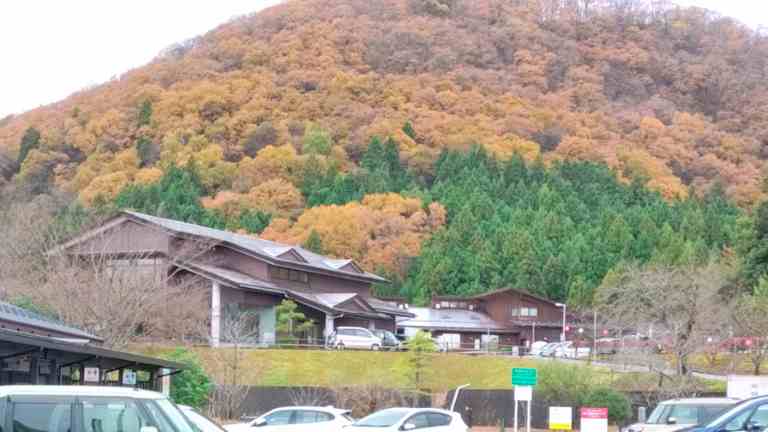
382,233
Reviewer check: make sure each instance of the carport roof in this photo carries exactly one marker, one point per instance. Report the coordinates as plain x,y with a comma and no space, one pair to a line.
18,341
15,314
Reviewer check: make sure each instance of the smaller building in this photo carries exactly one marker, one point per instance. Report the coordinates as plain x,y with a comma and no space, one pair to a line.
35,349
498,319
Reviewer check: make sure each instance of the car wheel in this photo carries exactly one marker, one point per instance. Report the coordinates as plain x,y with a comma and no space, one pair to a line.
375,347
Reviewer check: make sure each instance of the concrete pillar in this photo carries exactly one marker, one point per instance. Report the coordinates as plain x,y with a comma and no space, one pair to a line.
165,384
330,326
215,314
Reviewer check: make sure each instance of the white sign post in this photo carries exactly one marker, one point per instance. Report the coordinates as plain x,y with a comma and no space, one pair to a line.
91,374
560,418
594,420
524,394
129,377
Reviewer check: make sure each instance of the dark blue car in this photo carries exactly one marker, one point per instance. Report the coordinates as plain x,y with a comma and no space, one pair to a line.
750,415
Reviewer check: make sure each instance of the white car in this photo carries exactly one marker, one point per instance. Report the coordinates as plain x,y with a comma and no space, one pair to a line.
202,422
408,419
296,419
569,350
676,414
354,338
69,408
536,348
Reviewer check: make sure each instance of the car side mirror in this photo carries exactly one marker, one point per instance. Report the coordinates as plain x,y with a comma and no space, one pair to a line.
148,429
753,427
671,421
408,427
256,423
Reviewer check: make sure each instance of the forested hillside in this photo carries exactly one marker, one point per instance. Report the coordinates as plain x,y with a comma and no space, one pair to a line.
452,145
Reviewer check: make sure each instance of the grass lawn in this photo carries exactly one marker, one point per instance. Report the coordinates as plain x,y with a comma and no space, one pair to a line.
274,367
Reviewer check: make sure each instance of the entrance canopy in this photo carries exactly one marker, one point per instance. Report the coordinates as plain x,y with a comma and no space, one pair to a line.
35,359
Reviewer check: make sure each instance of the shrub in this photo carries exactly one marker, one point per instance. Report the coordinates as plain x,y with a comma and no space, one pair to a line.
191,386
618,405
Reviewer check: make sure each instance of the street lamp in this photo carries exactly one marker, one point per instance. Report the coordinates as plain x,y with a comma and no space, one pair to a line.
565,307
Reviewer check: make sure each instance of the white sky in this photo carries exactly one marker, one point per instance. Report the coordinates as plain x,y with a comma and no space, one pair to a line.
52,48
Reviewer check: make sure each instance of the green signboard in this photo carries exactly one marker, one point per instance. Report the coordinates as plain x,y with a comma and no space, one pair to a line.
524,376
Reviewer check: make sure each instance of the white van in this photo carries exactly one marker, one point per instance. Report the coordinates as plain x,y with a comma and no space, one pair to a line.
88,409
354,338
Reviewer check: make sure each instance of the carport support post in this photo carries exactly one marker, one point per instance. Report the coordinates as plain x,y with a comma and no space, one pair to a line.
34,367
215,314
329,326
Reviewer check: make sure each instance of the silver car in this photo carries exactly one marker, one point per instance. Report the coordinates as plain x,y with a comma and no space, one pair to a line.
354,338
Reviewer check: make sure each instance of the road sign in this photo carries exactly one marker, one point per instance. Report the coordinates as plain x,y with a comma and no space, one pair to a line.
560,418
91,374
524,376
594,420
523,393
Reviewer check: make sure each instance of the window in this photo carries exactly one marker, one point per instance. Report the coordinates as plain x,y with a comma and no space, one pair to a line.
523,312
278,418
437,419
684,414
289,275
110,415
419,420
50,417
167,416
760,417
303,417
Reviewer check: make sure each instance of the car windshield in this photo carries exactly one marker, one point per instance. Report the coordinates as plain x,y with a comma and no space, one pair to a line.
385,418
657,414
728,414
202,422
172,414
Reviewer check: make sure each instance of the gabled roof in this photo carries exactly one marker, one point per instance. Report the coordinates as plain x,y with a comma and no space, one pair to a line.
333,303
268,250
21,316
497,291
451,319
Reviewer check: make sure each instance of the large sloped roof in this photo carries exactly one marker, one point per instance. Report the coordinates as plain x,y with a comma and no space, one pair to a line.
450,319
270,250
21,316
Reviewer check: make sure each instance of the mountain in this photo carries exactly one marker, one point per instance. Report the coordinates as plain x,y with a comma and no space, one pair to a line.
278,112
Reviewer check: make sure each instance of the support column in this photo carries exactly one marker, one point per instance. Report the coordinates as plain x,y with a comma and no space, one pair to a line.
215,314
166,382
330,326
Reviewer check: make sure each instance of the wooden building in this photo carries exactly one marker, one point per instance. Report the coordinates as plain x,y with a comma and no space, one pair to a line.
502,318
241,272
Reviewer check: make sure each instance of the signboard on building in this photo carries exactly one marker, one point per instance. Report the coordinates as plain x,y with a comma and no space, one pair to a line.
523,393
91,374
594,419
561,418
129,377
524,376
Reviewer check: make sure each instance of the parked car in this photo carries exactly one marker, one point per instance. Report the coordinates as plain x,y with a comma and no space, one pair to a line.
674,415
388,340
549,349
750,415
203,423
536,348
296,419
354,338
570,350
408,419
63,408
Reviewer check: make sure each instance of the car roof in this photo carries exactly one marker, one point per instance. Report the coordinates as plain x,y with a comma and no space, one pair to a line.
410,410
328,409
701,401
53,390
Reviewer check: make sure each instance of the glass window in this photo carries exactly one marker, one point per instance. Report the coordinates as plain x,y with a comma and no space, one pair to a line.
202,422
760,417
167,416
738,423
684,414
49,417
419,420
304,416
437,419
279,418
709,412
659,414
384,418
111,415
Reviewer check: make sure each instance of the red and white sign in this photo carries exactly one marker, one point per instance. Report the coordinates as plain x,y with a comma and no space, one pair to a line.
594,420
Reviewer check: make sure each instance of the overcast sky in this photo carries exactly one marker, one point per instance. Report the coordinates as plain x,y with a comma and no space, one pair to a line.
52,48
